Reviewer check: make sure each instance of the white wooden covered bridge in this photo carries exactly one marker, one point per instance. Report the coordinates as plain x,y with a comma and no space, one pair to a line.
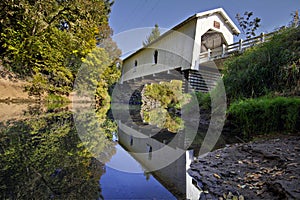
188,49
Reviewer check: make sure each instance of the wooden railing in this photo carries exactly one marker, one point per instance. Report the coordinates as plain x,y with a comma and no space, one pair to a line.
239,46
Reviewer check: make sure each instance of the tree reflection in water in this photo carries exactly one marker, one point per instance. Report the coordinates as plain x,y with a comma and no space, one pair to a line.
42,157
163,119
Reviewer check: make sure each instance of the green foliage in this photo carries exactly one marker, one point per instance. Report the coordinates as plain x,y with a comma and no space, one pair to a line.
55,101
163,119
42,157
96,76
38,85
155,33
204,100
169,94
270,67
45,41
56,98
265,115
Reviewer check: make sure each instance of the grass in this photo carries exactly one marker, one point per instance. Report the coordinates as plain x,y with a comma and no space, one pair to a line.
265,115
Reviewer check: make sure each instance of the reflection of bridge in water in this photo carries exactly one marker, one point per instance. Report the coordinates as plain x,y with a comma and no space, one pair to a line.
152,151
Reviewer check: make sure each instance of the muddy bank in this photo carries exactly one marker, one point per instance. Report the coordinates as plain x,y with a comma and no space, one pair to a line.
12,89
268,169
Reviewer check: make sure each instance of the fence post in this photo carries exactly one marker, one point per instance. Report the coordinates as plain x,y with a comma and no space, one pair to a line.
208,54
240,45
223,50
262,35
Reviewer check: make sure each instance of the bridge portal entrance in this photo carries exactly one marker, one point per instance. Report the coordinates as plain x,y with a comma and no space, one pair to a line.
212,40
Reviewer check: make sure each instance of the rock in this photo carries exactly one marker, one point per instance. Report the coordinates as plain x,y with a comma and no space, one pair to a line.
251,169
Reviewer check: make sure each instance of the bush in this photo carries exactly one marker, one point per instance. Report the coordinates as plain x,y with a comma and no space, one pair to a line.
204,100
270,67
265,115
169,94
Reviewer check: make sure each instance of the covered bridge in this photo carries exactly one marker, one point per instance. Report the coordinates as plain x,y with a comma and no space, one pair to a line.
186,49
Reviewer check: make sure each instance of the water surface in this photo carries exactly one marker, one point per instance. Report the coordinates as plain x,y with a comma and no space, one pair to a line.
46,153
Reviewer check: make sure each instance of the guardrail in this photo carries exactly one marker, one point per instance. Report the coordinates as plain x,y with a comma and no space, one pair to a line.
239,46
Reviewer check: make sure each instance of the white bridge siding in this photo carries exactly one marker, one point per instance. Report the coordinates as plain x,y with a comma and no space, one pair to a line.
174,51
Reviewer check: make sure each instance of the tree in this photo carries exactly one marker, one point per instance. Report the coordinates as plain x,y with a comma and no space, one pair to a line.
45,41
96,76
248,25
295,22
155,33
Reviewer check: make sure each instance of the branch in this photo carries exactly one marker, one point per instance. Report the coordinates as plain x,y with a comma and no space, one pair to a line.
53,19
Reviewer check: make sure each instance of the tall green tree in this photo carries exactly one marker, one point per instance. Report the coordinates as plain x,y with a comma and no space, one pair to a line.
47,40
155,33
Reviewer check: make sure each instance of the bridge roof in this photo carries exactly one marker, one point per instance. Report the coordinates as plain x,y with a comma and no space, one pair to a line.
220,11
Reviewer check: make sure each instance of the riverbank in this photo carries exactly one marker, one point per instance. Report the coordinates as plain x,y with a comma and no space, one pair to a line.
265,169
12,89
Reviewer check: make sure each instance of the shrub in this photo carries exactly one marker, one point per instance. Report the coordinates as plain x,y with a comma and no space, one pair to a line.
265,115
269,67
169,94
204,100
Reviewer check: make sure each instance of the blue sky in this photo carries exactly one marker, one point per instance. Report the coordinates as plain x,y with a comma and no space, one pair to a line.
128,15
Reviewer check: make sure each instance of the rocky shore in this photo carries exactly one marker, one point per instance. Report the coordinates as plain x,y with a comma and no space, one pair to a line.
266,169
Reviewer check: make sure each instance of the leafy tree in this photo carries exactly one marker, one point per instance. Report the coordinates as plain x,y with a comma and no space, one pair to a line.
163,119
248,24
155,33
96,76
45,41
295,21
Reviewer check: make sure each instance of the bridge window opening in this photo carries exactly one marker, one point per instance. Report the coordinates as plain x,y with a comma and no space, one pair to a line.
149,149
135,63
131,140
217,24
155,56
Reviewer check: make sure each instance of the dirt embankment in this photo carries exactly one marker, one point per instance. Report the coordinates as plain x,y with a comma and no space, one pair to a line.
268,169
12,88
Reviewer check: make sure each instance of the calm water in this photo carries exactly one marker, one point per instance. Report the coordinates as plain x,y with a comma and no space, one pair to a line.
48,152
